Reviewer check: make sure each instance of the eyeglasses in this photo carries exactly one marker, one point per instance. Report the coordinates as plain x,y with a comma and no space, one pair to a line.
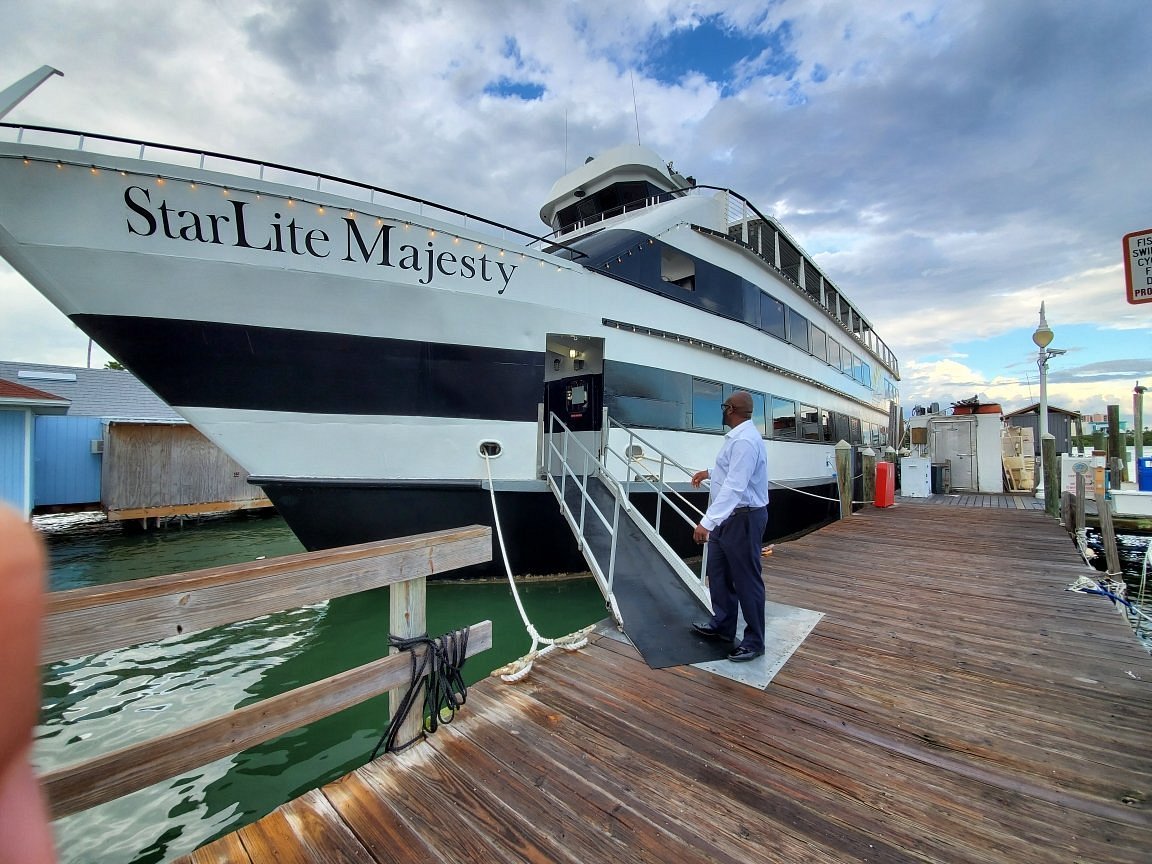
727,407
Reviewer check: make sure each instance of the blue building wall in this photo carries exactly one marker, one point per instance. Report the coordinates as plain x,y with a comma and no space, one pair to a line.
66,469
14,461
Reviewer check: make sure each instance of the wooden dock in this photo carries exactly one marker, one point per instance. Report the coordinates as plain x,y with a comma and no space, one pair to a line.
954,704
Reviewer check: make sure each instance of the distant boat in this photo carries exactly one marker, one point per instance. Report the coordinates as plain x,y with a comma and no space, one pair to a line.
358,349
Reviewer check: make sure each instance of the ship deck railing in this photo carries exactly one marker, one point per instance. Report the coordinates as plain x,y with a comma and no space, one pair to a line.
106,617
311,183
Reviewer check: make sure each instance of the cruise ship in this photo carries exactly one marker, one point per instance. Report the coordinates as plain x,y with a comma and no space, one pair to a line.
373,358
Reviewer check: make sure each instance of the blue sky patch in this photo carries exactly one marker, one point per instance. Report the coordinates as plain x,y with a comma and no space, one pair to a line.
506,89
714,49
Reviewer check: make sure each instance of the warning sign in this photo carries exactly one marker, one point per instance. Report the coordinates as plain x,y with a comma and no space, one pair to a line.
1138,265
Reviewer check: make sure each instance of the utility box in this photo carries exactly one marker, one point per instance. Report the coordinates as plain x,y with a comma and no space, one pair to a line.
915,477
885,484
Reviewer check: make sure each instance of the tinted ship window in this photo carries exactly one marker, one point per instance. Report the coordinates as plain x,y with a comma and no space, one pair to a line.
772,316
707,396
797,329
783,418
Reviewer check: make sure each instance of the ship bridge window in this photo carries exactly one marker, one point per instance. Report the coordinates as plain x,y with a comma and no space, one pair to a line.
606,203
677,268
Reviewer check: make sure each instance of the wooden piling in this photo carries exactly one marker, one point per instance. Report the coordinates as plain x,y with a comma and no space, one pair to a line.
844,477
868,461
1107,533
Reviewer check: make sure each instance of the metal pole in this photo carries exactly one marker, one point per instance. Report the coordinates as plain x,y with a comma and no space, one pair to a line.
1138,422
1042,362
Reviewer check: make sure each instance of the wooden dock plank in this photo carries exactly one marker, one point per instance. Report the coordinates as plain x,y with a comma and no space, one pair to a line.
954,704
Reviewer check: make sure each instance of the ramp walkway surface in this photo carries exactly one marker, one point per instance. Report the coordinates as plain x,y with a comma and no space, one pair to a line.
657,607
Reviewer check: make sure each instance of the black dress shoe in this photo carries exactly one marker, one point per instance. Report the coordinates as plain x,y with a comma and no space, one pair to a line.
743,655
709,632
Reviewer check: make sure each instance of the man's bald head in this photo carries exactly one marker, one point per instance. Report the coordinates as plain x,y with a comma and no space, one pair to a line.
741,402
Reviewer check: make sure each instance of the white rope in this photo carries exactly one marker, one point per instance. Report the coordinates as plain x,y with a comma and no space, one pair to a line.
517,670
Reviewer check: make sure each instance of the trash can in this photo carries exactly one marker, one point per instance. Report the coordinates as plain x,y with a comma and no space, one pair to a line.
941,478
885,484
1144,474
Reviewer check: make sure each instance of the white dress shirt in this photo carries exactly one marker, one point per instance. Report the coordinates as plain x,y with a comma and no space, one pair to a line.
740,476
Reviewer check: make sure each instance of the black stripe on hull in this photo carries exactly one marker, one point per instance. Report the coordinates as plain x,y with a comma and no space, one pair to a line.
211,365
327,514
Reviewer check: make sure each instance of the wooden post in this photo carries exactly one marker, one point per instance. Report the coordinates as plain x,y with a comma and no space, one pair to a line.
844,477
1116,449
868,463
1051,475
406,619
1107,532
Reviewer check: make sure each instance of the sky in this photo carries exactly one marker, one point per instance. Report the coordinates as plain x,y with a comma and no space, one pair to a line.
949,165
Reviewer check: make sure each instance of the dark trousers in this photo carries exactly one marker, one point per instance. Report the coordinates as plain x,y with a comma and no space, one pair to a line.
734,580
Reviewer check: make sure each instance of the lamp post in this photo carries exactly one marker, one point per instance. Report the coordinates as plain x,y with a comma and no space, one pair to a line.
1043,337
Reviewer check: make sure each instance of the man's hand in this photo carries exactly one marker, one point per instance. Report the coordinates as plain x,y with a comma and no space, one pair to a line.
700,534
699,477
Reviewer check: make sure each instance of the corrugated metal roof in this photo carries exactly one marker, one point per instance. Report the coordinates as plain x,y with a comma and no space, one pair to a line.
107,393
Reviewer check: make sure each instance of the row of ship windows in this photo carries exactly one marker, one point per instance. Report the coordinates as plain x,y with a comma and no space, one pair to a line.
696,282
782,418
646,397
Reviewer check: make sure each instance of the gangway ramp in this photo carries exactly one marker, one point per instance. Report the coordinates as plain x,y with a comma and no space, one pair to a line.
650,590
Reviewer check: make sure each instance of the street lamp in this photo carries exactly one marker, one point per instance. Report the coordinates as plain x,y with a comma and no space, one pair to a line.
1043,337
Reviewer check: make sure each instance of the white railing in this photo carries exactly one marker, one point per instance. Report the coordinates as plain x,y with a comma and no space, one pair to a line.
634,455
89,146
556,459
559,459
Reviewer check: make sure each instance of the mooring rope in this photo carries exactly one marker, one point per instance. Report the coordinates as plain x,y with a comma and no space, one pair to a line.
517,670
444,687
1114,591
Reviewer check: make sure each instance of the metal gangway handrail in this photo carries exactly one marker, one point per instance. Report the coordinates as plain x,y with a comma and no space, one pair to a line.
594,465
630,457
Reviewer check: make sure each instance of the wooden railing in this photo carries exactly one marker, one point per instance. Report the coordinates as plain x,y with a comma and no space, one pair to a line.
102,618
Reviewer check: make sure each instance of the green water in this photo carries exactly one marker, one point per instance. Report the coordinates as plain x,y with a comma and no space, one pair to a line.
99,703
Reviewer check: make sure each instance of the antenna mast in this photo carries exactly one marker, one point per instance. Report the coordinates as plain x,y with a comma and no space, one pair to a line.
635,110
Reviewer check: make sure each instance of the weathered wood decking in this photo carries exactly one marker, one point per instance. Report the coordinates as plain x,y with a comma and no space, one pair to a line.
954,704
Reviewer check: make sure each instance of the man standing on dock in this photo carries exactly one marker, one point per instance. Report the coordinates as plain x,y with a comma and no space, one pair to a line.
733,527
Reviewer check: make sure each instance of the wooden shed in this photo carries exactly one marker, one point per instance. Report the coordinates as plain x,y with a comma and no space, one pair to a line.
113,444
153,470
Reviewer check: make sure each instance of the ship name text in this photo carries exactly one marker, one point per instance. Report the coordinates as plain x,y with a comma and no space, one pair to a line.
379,247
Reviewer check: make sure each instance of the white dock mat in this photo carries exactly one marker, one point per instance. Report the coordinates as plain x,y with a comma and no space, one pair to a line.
785,629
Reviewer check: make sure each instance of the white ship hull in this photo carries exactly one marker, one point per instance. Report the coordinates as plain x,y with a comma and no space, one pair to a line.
354,356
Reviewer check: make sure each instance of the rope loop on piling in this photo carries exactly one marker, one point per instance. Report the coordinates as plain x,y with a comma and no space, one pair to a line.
436,672
518,670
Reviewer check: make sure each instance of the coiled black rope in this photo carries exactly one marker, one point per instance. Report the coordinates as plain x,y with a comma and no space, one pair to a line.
437,673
